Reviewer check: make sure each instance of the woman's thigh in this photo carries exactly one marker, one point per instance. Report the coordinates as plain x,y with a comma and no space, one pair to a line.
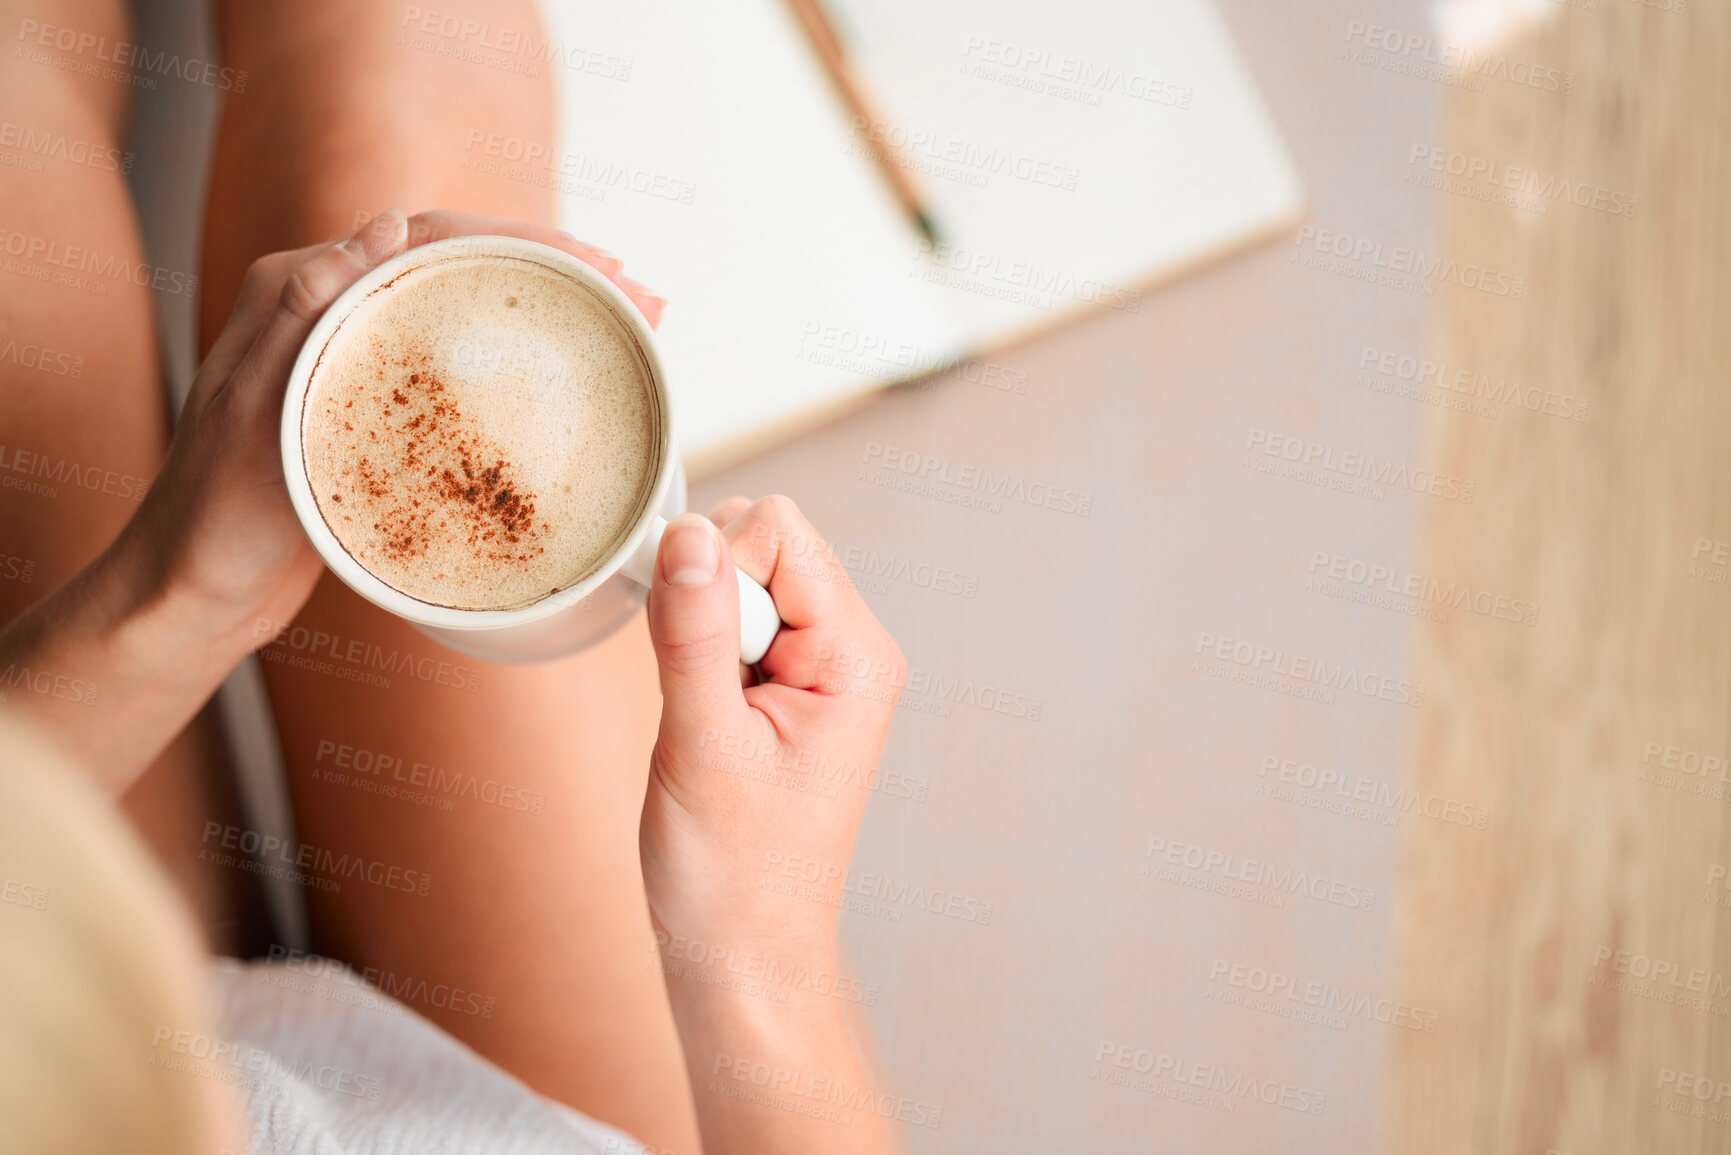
469,831
83,419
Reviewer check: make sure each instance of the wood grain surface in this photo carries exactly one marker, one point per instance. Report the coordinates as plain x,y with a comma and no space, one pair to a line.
1600,519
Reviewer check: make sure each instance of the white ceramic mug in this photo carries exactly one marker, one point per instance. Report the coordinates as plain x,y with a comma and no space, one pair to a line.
572,617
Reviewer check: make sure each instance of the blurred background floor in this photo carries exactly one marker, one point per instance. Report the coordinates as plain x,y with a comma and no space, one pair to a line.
1389,907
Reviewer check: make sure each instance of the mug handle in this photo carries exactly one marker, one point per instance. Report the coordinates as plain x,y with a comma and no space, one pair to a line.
758,619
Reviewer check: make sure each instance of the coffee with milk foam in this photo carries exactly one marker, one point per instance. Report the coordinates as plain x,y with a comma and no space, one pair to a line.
481,433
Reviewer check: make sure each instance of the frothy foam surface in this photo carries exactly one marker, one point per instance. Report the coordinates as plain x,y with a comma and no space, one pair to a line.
481,433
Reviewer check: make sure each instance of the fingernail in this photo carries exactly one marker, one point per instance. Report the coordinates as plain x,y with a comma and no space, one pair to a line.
690,553
379,237
631,286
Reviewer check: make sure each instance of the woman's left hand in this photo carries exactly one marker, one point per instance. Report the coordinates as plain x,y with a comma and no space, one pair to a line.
147,631
217,522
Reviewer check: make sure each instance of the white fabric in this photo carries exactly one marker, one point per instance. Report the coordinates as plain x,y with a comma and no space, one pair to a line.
328,1065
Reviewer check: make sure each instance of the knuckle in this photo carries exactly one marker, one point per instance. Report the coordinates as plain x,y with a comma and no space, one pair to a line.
299,298
727,509
693,655
778,509
264,269
262,276
776,521
895,660
896,685
312,285
429,225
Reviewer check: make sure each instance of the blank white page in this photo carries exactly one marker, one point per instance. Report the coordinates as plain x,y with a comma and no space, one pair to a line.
1076,152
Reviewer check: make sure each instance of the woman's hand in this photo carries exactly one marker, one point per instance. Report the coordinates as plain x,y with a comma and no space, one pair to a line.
217,521
123,655
755,798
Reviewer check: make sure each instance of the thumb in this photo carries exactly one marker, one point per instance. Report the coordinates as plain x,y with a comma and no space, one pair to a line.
694,623
311,287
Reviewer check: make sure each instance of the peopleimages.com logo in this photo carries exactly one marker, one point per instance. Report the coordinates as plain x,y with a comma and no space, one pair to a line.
1396,266
136,63
1303,669
928,469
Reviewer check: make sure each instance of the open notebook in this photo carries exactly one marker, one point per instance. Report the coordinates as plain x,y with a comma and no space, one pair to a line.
1074,154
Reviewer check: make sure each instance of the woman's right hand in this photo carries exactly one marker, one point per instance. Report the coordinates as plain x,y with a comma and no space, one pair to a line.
755,798
749,779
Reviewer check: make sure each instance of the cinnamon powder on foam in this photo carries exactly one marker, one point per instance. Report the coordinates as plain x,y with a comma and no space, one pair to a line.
481,434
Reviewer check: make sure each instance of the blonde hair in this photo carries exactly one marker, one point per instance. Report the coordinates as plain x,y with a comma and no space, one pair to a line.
100,967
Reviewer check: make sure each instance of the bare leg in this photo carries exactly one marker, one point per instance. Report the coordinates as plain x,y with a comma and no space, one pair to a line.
532,942
83,419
